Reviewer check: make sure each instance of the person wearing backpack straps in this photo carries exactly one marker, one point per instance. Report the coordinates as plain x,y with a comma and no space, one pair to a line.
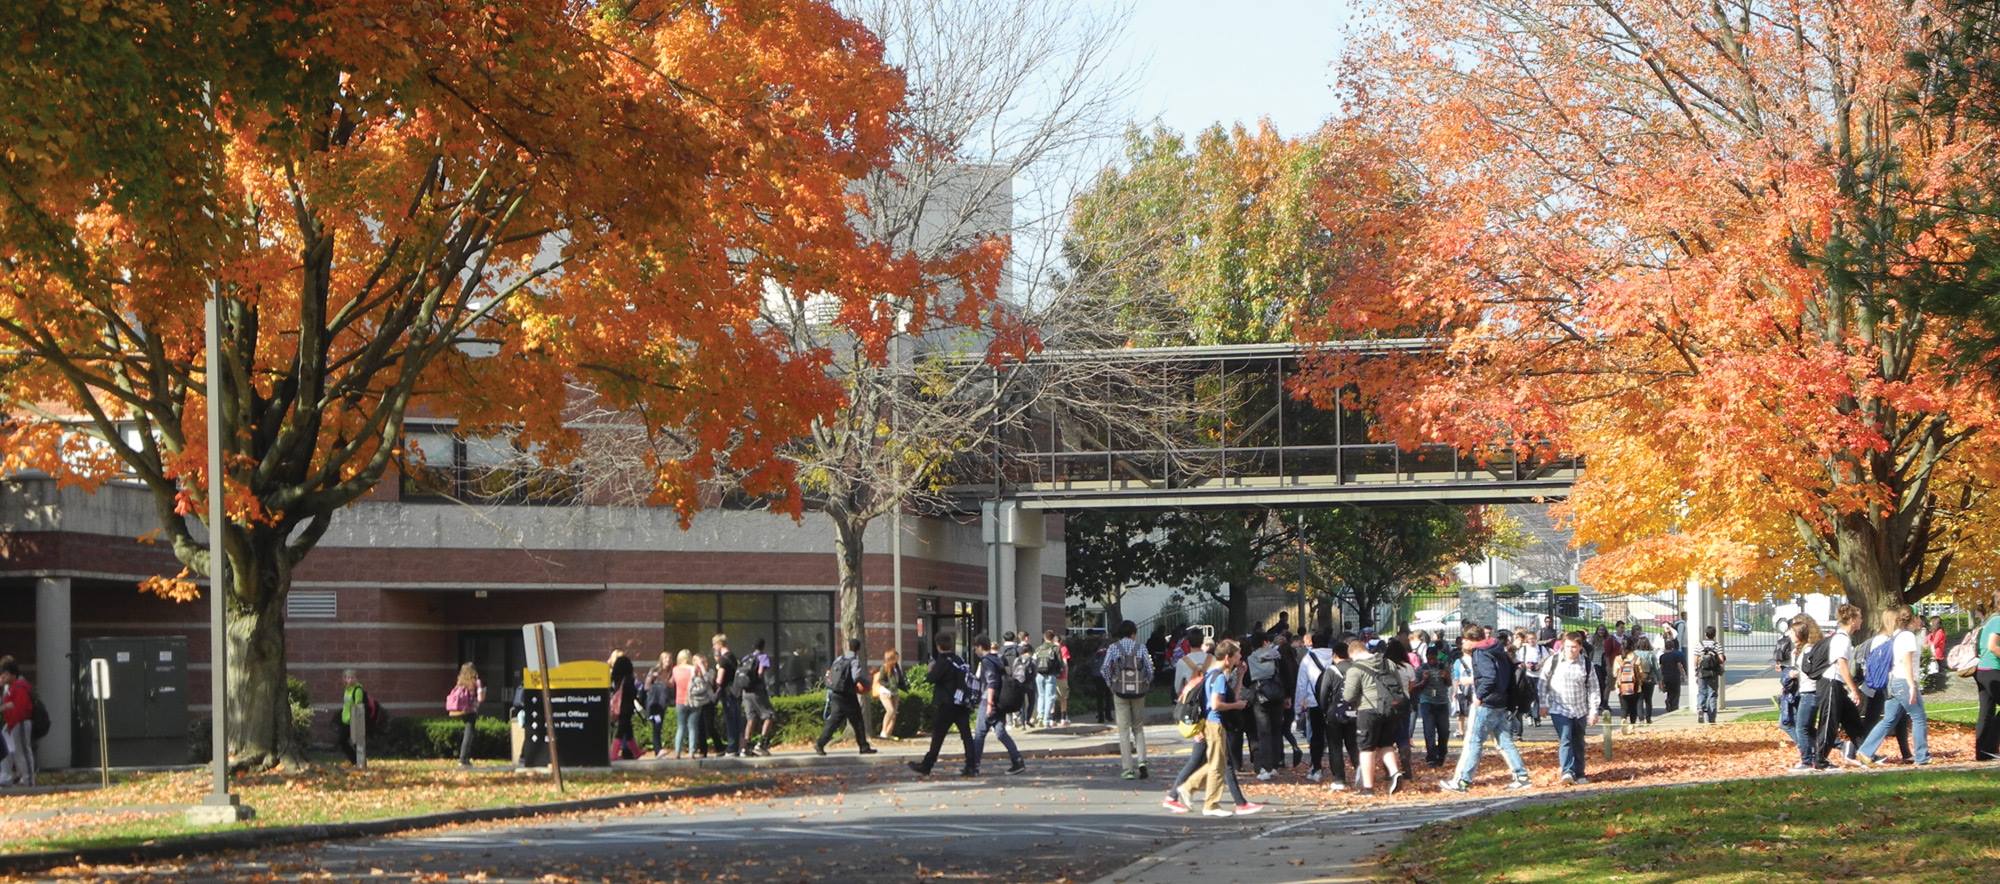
17,709
990,715
753,677
1128,669
1878,661
1986,674
687,716
1267,695
1569,683
846,681
1314,662
1840,695
1493,676
1710,663
624,703
462,703
1220,696
1434,700
1194,693
1375,688
1903,699
952,696
1626,674
1048,671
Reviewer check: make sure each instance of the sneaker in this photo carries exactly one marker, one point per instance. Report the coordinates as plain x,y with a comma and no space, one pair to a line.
821,750
1019,766
1336,787
1581,781
1864,761
1129,775
871,750
969,772
1142,771
1313,776
919,767
1264,776
1218,812
1174,805
1395,781
1452,786
1247,808
1518,785
1799,768
1567,780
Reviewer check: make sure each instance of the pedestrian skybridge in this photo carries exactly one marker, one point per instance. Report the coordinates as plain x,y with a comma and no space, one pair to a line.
1216,427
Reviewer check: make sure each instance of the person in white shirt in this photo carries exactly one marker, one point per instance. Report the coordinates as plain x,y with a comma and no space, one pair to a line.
1805,729
1840,696
1193,664
1318,657
1903,698
1874,700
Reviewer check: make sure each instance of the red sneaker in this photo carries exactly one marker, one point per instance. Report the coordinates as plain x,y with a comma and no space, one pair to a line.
1174,805
1247,808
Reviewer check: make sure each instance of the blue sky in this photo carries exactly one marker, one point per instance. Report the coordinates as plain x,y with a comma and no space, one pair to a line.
1206,61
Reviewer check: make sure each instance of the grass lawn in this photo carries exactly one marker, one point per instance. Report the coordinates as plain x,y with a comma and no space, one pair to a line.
1954,713
1930,826
142,807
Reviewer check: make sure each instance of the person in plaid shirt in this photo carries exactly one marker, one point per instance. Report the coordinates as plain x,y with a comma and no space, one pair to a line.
1569,685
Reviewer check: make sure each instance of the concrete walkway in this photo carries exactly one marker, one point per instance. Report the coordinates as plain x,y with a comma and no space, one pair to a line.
1078,739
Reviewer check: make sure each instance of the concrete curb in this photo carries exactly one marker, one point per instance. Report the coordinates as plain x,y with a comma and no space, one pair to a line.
251,837
846,759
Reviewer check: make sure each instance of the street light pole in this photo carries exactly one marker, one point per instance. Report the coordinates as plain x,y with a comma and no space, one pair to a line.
219,806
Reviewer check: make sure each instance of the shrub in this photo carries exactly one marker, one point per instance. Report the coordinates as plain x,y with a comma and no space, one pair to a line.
201,732
438,737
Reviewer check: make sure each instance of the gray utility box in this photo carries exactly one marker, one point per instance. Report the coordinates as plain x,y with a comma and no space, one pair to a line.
147,715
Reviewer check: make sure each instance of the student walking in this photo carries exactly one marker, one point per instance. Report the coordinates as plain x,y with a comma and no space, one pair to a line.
1673,674
1902,699
1434,703
846,680
1569,683
728,706
1128,669
1268,693
1709,665
1050,670
759,718
1986,672
989,676
1877,658
1461,687
353,731
1840,694
1628,673
1199,747
1788,677
1493,676
1378,689
17,725
1314,664
890,681
462,703
659,691
624,703
952,694
1807,666
1220,695
687,716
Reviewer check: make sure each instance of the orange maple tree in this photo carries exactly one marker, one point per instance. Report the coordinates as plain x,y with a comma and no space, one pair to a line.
1697,244
604,192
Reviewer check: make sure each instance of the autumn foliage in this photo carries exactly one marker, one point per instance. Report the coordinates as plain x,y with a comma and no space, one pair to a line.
1699,245
603,193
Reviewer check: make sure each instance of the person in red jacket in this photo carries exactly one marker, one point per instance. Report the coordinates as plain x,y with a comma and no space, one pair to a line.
17,712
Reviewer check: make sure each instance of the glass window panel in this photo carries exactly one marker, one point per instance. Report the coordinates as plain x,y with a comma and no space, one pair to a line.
746,605
431,458
489,451
805,606
743,635
690,606
804,649
691,636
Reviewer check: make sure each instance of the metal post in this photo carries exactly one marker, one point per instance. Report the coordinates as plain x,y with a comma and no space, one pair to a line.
548,708
218,580
103,748
895,482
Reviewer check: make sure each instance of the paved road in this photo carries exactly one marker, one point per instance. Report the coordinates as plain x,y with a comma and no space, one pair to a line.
1064,819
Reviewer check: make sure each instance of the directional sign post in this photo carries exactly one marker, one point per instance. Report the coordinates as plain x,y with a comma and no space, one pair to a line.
100,690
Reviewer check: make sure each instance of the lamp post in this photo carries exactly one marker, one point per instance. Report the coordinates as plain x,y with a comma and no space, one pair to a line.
219,806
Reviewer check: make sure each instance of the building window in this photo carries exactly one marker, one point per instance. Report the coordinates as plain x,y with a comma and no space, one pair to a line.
797,629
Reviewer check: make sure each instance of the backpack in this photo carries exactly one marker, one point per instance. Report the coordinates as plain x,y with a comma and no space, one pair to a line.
839,677
1814,664
376,721
1709,663
701,688
1389,687
1328,689
461,700
1190,713
1880,662
38,718
1526,691
1128,680
1012,694
1628,676
1963,657
1021,668
750,678
1048,660
961,685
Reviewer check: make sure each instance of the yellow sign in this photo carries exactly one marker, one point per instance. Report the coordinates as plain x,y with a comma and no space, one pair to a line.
574,675
1568,589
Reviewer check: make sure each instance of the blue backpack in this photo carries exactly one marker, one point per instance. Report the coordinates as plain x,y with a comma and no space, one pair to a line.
1877,666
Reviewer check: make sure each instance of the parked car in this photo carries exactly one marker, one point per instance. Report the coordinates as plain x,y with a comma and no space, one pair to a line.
1740,628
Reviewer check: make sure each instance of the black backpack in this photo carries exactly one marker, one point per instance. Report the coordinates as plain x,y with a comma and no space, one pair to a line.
839,677
750,677
1389,682
1013,693
38,718
1327,690
1814,664
1709,663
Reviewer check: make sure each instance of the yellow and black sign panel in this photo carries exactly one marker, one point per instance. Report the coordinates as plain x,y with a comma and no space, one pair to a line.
575,675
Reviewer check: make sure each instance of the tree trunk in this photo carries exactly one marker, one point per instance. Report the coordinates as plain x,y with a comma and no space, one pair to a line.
260,715
848,546
1872,579
1239,608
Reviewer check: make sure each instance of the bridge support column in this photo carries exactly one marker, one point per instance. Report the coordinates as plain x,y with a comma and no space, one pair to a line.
1013,537
1704,610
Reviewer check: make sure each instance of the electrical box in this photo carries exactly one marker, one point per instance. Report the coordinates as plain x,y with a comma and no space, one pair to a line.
146,717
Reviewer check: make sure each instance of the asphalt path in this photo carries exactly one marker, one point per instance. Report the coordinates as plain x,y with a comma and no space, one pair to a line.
1064,819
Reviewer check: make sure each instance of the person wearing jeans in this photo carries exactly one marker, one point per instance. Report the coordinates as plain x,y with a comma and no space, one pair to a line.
1804,730
1986,738
1128,702
1570,685
1049,658
987,680
1493,675
1903,699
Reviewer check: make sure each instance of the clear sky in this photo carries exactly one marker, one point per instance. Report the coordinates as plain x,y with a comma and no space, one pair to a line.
1209,61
